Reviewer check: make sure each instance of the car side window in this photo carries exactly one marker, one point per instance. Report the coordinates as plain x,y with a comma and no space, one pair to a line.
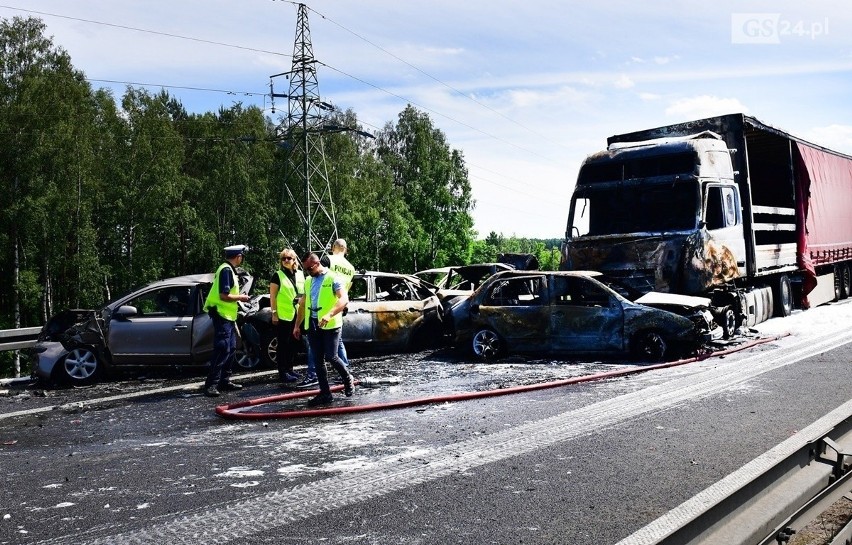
516,292
358,289
171,301
578,292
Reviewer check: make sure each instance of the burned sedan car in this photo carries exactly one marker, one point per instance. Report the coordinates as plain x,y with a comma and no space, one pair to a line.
572,313
387,313
161,325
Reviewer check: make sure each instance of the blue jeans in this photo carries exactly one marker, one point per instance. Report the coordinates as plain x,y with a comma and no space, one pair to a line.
341,353
224,347
324,345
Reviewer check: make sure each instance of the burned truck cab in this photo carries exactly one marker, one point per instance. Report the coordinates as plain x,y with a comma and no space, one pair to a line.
659,215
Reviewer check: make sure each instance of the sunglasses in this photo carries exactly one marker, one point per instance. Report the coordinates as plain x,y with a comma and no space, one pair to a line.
283,259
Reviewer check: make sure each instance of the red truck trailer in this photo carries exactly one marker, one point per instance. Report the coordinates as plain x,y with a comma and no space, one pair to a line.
726,207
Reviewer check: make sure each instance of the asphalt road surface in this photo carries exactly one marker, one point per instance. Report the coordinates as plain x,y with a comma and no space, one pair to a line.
588,463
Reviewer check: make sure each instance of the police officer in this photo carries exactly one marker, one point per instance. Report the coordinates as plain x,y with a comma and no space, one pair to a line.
221,305
285,288
321,311
341,266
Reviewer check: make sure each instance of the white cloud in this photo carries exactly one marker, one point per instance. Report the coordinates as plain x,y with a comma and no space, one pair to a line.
836,137
704,106
624,82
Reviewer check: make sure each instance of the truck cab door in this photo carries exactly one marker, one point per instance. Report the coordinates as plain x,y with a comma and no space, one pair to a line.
723,220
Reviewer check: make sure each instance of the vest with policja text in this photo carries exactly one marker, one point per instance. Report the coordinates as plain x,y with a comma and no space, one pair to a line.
340,266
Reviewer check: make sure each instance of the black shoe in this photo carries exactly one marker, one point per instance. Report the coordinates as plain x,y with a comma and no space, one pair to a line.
349,385
211,391
322,399
290,378
308,382
230,386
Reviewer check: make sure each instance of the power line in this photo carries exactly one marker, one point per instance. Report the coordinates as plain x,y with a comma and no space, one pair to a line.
226,91
149,31
426,108
448,86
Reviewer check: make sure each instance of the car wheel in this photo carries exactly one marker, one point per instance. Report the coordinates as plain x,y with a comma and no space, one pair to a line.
649,346
487,345
81,366
247,359
269,345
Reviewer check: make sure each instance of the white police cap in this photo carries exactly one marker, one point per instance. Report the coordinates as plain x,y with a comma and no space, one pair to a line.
235,250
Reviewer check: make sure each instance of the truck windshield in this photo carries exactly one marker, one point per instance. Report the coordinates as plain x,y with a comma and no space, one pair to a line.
621,209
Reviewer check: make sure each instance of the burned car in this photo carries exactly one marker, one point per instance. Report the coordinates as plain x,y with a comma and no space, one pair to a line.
573,313
387,313
161,325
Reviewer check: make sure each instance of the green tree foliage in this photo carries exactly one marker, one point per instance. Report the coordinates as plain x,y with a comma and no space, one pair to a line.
433,182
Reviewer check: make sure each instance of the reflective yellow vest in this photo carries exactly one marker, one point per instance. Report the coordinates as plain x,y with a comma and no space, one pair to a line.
327,299
226,309
285,301
340,266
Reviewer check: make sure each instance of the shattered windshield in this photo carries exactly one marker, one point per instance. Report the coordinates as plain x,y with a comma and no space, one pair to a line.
613,209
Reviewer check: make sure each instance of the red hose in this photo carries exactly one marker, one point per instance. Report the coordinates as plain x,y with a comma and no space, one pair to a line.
233,410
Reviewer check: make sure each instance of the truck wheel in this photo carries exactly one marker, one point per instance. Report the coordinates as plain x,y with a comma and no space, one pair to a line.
728,323
782,292
486,345
844,281
838,283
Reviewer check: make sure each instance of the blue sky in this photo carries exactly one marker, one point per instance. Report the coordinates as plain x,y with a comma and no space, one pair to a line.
525,89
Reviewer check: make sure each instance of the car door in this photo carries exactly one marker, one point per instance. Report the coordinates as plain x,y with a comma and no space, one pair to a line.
586,317
516,308
160,333
358,321
396,310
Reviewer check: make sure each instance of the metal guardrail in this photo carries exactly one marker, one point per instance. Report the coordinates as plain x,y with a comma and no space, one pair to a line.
15,339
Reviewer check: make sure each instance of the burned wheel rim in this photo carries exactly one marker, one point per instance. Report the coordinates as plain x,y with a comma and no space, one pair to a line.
729,323
486,344
650,346
81,365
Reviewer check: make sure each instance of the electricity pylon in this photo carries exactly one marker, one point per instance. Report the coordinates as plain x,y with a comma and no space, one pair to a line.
306,181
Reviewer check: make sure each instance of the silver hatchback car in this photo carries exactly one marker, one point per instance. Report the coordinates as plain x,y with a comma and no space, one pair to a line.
160,325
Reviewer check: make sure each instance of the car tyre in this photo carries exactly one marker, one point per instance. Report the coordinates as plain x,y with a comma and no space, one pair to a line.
269,350
486,345
650,346
81,366
247,359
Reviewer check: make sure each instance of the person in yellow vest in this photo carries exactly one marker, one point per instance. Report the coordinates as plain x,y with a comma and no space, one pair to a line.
321,312
285,288
221,305
340,266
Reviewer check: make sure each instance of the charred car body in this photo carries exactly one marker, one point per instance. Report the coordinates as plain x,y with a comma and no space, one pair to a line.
572,312
387,313
160,325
